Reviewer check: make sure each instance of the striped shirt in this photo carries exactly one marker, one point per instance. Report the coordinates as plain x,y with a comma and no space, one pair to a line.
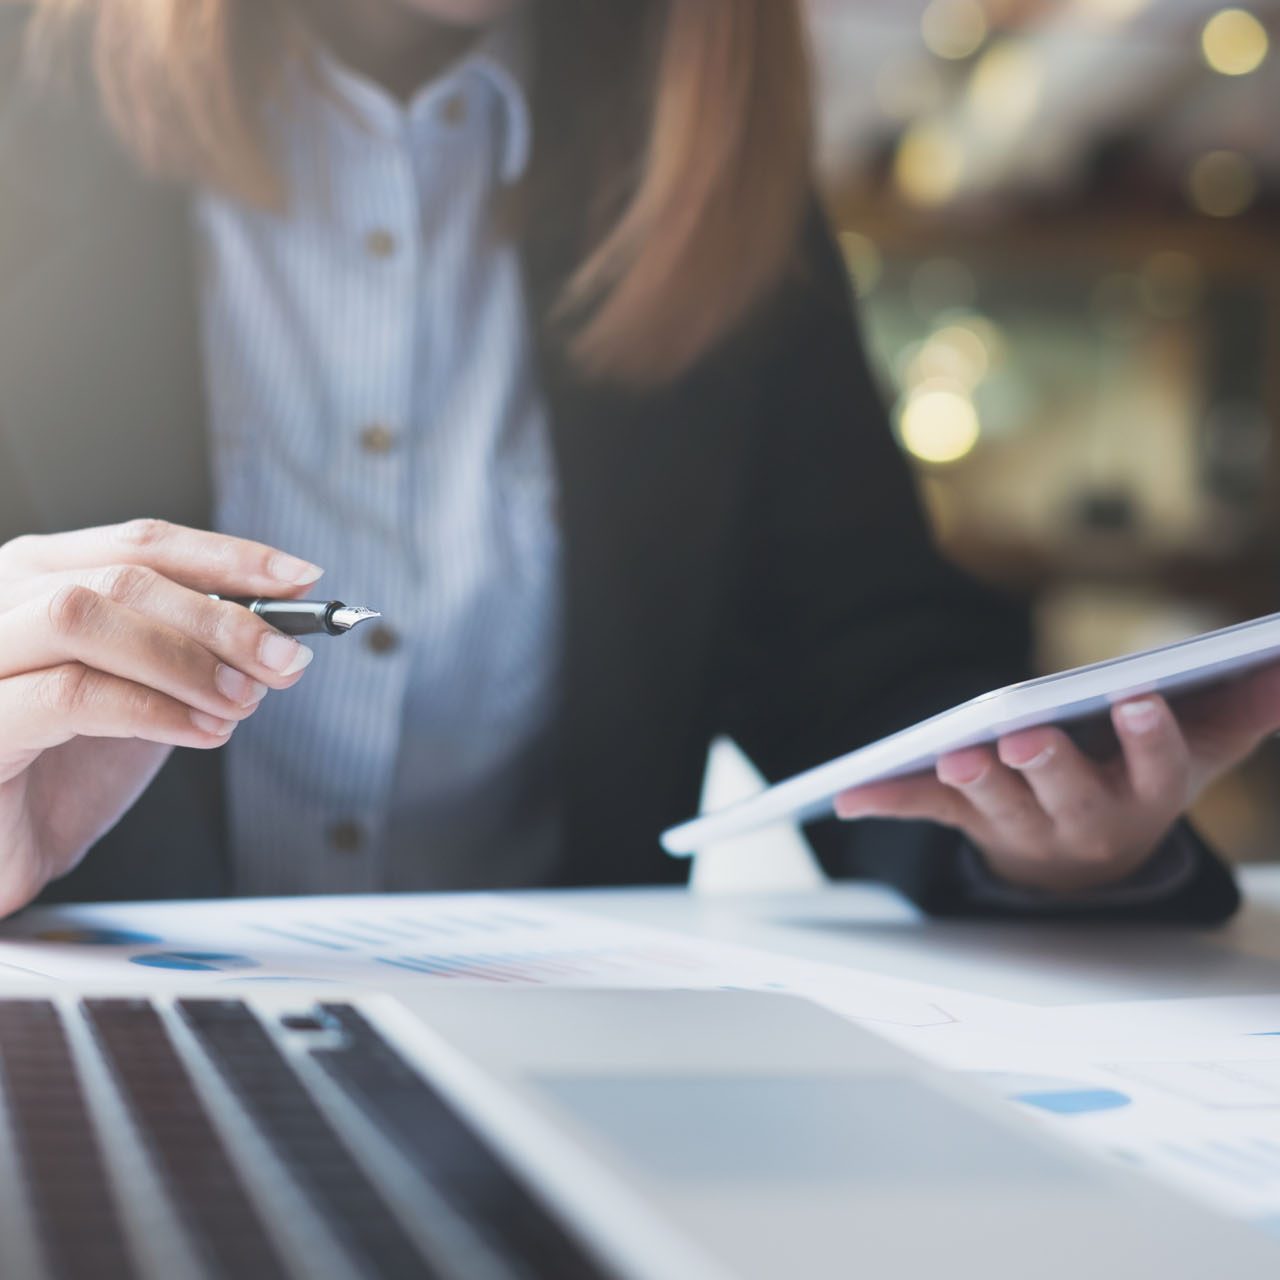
374,407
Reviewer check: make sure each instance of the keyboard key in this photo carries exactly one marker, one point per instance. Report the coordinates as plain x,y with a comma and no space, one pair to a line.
303,1139
76,1217
189,1153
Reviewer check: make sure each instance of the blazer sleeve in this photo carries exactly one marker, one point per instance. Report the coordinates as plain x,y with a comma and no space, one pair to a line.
848,623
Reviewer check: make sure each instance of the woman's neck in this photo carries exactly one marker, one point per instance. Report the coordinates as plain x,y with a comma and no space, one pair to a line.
386,40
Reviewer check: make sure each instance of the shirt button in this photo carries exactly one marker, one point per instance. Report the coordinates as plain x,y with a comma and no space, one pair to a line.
453,110
380,243
346,836
377,437
382,640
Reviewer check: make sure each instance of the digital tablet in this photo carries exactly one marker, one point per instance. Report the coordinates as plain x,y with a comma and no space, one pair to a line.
1067,697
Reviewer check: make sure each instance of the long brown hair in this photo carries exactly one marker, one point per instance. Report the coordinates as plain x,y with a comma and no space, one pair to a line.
698,112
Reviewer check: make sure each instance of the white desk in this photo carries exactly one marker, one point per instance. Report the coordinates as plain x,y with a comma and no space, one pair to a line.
868,927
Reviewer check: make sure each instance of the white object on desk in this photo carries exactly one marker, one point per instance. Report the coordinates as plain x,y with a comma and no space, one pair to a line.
776,860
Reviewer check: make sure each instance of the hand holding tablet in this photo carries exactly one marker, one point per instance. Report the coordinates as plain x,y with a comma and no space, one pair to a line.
1003,770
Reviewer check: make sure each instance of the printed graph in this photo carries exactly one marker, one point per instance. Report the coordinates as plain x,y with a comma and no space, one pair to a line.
1245,1084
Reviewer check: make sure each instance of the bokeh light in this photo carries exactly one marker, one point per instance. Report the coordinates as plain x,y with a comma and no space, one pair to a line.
954,28
1006,87
954,354
929,164
1234,42
938,424
1222,184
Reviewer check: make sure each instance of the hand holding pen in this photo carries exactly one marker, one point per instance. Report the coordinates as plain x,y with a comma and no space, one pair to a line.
110,633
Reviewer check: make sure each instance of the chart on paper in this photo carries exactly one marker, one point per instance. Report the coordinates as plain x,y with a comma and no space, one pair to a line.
387,941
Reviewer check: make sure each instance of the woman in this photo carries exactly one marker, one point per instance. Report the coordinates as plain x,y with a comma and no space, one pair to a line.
520,320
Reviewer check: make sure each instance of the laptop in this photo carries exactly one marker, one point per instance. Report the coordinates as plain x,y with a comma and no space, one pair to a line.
545,1134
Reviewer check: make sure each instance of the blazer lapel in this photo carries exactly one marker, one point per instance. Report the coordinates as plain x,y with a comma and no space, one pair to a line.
649,486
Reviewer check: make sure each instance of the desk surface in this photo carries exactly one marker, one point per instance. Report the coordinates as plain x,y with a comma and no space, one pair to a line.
869,927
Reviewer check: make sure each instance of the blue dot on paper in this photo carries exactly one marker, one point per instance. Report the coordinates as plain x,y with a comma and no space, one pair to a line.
1075,1102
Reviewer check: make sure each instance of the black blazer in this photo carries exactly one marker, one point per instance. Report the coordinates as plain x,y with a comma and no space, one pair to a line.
745,552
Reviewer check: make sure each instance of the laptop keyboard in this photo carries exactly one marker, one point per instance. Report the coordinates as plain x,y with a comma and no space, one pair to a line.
470,1216
193,1162
67,1184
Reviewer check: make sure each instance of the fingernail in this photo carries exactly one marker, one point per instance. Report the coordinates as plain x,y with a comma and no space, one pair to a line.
237,687
283,654
1037,761
297,573
211,724
1138,717
964,773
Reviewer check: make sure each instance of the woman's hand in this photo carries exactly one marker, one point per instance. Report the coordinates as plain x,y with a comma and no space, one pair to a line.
109,634
1045,816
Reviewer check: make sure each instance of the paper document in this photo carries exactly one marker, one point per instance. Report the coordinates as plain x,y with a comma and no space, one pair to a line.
1135,1084
387,941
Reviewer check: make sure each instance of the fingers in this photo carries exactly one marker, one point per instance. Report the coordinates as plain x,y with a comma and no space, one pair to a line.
920,796
43,709
1072,792
1156,754
201,560
77,625
1000,797
240,638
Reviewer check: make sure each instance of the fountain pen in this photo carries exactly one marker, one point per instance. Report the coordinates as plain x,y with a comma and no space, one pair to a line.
307,617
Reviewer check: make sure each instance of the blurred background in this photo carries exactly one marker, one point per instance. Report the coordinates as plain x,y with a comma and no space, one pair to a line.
1063,221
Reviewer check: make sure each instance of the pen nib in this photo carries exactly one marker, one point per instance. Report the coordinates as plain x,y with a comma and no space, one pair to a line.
352,615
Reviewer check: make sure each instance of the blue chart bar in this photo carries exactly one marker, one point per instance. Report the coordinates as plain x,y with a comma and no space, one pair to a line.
1056,1096
193,961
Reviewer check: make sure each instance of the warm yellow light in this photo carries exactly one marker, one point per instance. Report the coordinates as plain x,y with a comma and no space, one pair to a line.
954,28
1234,42
1222,184
928,165
953,354
863,259
1005,88
987,332
939,425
